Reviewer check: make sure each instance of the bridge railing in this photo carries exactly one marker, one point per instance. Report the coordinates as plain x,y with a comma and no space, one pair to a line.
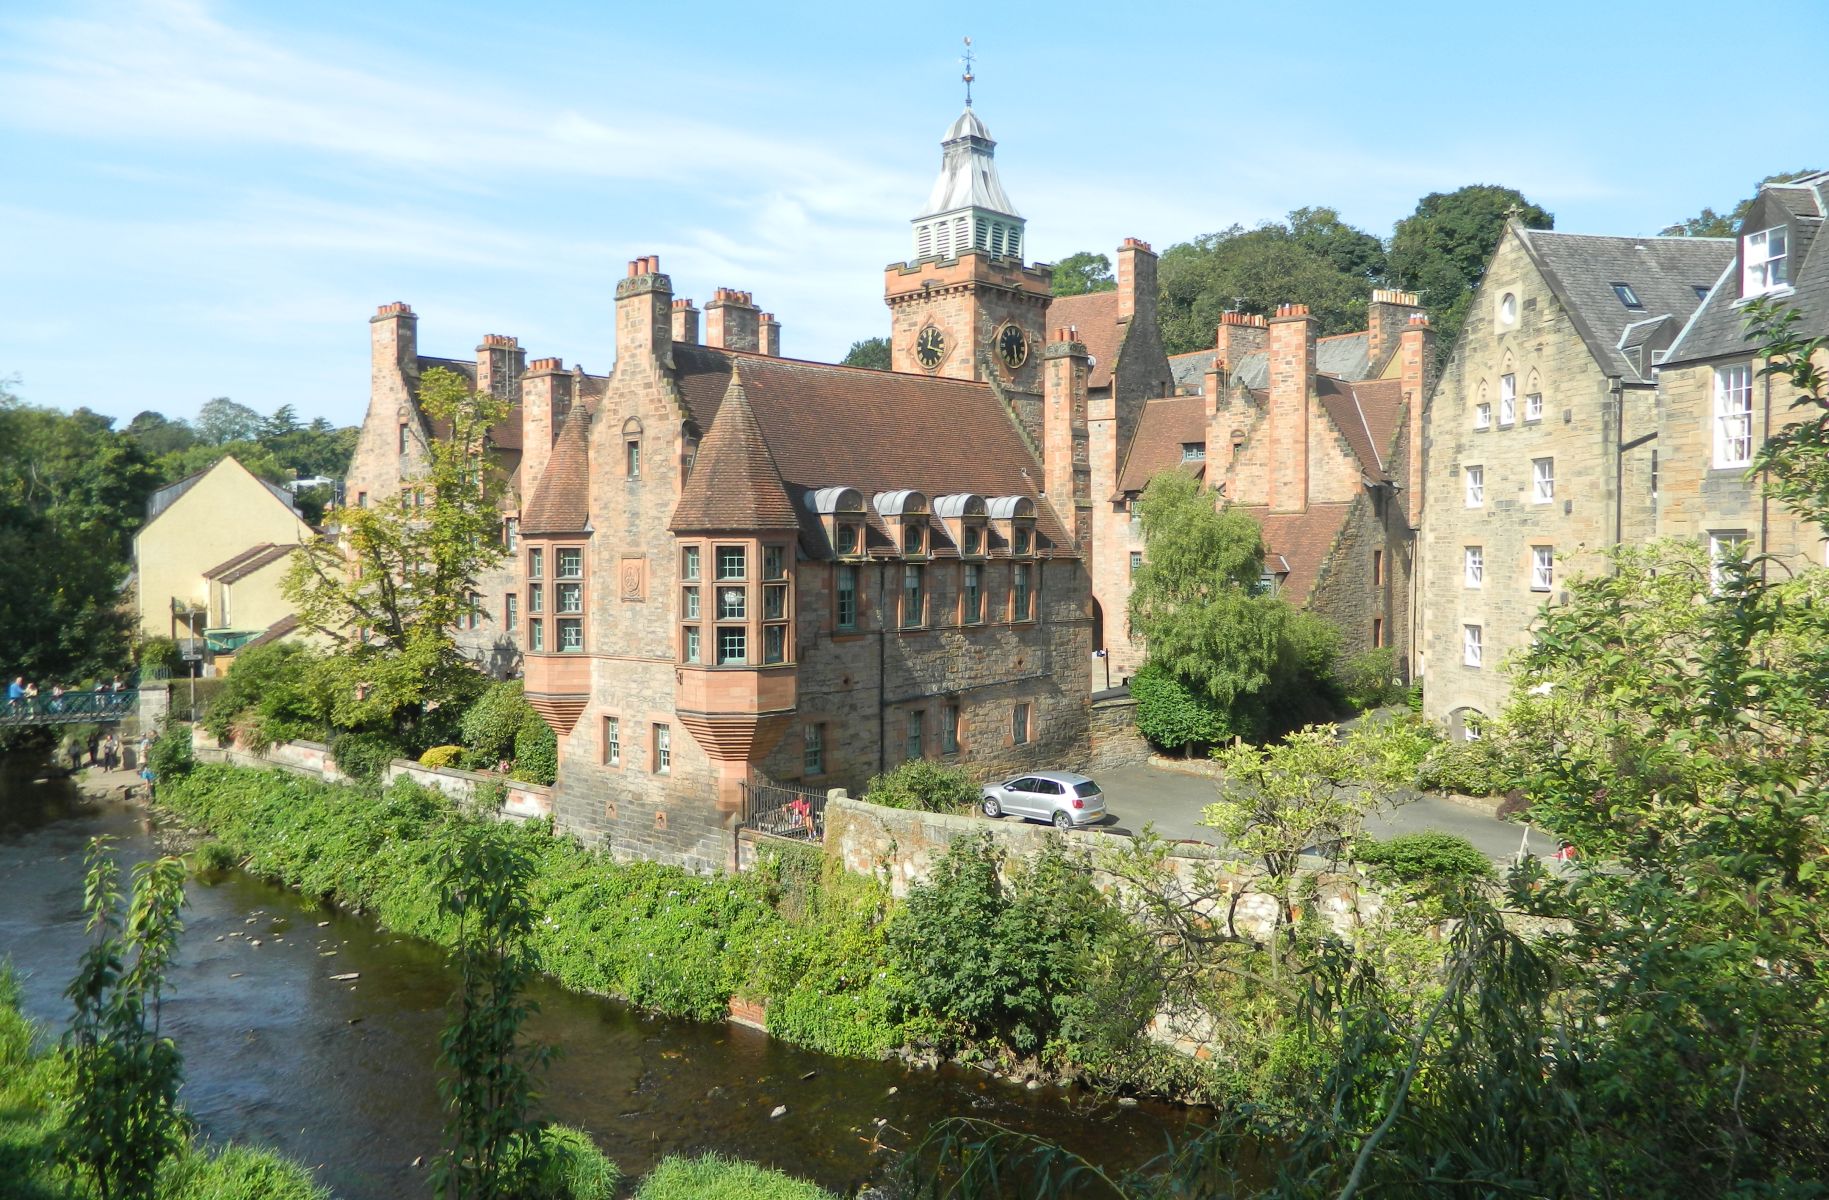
73,708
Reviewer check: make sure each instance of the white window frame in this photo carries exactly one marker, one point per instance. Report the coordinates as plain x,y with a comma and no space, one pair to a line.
1720,541
1482,415
1508,400
1473,566
1543,480
612,741
1473,648
1475,486
1761,271
1543,568
1533,406
1734,425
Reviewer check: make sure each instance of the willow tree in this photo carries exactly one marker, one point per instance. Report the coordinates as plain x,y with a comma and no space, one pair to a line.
388,583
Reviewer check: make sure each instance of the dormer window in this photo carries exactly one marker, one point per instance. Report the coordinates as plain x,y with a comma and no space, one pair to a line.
1762,261
974,540
912,543
1627,296
847,539
1023,537
1193,452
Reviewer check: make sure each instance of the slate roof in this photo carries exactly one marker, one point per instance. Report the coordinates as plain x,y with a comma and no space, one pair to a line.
168,495
1343,355
876,431
735,483
1581,270
1717,328
561,498
1302,540
247,562
1095,315
1165,426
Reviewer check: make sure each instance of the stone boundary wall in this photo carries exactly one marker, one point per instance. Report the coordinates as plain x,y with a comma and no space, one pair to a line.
521,801
1115,740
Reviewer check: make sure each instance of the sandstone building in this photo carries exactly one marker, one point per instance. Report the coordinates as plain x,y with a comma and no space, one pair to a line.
1715,407
1541,442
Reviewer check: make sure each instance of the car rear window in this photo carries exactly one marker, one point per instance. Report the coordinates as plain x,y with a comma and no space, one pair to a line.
1089,788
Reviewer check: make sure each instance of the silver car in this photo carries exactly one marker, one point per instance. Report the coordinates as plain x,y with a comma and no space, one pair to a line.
1066,799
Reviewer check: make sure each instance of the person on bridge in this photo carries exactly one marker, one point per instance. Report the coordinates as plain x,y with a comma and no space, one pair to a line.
31,697
15,692
57,697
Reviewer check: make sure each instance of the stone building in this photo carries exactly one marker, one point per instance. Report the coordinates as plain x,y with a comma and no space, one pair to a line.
1715,407
1540,441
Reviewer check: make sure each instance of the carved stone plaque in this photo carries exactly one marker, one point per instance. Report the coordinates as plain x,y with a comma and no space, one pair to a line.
632,578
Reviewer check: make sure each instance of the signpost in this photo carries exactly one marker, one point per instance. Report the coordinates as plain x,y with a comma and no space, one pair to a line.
193,658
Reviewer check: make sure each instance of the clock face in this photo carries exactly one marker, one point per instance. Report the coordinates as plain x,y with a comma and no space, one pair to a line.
1012,346
930,347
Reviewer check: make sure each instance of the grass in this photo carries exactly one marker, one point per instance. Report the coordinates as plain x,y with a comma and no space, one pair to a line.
715,1177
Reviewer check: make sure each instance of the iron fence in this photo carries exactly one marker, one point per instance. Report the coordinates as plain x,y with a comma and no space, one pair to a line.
74,708
780,810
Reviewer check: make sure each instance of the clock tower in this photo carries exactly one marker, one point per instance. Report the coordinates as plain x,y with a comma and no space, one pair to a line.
964,306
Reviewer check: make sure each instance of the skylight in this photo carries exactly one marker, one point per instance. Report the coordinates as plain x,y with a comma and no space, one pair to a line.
1701,291
1626,295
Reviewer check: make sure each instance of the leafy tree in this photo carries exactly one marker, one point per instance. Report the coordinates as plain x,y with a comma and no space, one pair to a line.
267,698
488,1094
222,420
1313,258
388,585
871,352
1441,250
1084,272
1172,716
1709,223
122,1120
157,436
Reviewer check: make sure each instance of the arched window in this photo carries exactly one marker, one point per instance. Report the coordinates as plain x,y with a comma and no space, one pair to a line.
631,448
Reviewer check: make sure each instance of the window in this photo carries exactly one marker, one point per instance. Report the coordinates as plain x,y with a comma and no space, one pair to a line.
511,534
914,598
689,563
1543,568
1022,534
1508,309
663,749
847,539
1266,583
911,539
536,598
1701,290
774,643
1377,632
403,437
1508,399
972,610
536,635
1627,296
1473,566
774,602
1476,486
774,562
1377,568
689,645
571,635
1724,545
1733,416
511,612
1193,452
1019,724
1543,480
1762,267
733,604
974,539
570,563
1654,474
733,646
612,742
813,750
732,562
536,562
1021,600
1533,407
1470,645
632,458
1136,562
845,603
1482,415
689,603
913,747
949,729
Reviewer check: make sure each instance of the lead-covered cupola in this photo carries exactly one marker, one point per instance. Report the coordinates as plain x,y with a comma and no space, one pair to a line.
968,208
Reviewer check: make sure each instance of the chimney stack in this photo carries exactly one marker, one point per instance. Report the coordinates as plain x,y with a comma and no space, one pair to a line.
1065,467
644,303
1416,368
768,339
1292,374
500,362
393,336
1136,280
731,321
1239,334
546,398
1387,316
685,323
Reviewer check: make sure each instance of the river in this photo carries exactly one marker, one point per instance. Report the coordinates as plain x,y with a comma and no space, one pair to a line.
339,1074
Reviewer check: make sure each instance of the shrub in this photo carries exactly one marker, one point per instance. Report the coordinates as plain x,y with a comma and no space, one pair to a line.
214,856
1302,690
1369,679
536,751
238,1173
493,724
441,756
364,755
714,1177
924,785
1471,768
1171,716
266,697
170,756
1424,858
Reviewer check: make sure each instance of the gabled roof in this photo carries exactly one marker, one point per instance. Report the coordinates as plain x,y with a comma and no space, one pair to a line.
561,499
168,495
1664,272
247,562
1095,316
1302,540
877,431
1342,355
272,633
735,484
504,434
1718,328
1365,412
1164,428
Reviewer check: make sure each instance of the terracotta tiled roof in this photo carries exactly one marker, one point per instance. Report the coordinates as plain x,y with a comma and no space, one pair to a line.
561,500
1095,315
1164,428
735,483
247,562
273,633
877,431
1365,413
1303,540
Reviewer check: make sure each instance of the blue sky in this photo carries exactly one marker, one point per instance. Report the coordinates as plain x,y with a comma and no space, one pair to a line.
207,199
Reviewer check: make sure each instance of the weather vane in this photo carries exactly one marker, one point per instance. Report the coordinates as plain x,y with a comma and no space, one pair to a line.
966,58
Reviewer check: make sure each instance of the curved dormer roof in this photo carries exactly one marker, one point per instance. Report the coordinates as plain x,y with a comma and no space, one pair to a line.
962,504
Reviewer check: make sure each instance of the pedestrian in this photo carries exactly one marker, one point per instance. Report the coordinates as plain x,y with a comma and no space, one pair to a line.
15,693
147,777
57,697
117,687
111,752
31,697
95,744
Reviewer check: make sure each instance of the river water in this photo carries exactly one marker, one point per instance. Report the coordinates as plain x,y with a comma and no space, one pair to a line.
339,1074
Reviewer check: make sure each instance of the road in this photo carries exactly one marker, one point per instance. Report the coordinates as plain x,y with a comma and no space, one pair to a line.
1172,802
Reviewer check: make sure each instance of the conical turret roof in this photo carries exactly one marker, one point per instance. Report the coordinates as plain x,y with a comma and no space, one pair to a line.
735,484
